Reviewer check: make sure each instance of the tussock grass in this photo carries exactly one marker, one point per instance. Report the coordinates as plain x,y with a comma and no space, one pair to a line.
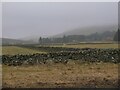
59,75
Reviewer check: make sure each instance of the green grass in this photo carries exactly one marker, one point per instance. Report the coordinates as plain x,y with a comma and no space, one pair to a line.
12,50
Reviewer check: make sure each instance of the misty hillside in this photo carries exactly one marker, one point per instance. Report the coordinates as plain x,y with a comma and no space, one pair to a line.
7,41
101,36
33,38
104,36
88,30
106,32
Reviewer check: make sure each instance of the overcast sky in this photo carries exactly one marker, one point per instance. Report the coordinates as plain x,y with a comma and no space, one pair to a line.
46,19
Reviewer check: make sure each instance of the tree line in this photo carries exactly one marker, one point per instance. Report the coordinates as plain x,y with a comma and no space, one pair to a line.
117,36
107,35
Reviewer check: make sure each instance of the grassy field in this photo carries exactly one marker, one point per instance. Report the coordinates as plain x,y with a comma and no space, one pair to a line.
12,50
74,74
83,45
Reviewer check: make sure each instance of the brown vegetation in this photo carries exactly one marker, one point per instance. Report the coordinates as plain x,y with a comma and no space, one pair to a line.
74,74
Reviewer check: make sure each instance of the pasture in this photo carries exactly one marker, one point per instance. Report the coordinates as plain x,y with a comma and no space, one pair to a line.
13,50
73,74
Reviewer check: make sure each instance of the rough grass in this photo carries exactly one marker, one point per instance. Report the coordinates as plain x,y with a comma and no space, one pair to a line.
84,45
12,50
74,74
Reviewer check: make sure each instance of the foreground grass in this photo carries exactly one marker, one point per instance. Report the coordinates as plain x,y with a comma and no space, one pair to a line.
84,45
0,76
74,74
12,50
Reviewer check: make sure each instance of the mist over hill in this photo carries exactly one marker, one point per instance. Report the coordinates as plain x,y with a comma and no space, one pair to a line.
86,34
88,30
107,32
94,37
33,38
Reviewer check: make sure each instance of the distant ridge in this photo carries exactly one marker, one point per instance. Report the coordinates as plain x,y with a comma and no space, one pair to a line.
33,38
77,31
88,30
8,41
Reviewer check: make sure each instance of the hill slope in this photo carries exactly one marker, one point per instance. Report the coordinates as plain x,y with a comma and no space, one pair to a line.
6,41
111,29
87,30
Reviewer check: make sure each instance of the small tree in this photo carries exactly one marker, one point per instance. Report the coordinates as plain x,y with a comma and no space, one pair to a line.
40,40
117,36
64,39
